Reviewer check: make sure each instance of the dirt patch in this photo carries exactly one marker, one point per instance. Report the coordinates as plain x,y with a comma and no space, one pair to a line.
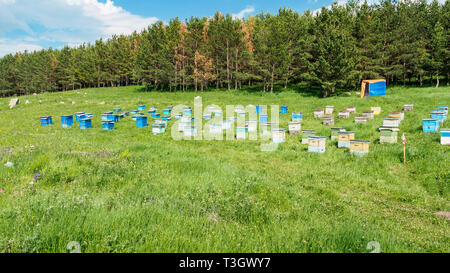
443,214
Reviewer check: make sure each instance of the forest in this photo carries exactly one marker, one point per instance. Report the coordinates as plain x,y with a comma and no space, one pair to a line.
405,42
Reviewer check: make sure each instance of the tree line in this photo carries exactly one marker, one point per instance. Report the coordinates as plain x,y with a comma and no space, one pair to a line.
336,47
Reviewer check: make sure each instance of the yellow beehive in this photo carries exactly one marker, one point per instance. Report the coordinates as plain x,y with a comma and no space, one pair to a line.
376,110
397,114
359,147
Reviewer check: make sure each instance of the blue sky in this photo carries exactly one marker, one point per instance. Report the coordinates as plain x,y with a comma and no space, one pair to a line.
33,25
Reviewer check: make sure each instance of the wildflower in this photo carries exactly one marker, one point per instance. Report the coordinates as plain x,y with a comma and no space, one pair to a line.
2,191
9,164
37,176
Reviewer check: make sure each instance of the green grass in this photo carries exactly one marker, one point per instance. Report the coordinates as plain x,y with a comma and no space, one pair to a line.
130,191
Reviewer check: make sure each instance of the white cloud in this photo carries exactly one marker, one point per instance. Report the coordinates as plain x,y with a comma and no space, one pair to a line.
243,12
67,21
10,46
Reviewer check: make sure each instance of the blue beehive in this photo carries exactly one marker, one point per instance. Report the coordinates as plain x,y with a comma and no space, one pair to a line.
155,115
258,109
297,116
85,123
117,110
67,121
89,115
283,110
136,116
167,112
443,108
430,125
116,118
141,107
263,119
166,118
80,115
134,112
108,125
441,116
46,120
141,121
187,111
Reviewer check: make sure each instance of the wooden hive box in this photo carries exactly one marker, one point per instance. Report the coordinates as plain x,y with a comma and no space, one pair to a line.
441,116
368,114
344,139
376,110
329,109
252,125
360,119
295,128
278,135
107,125
388,135
283,110
391,122
351,109
306,134
408,107
445,136
359,147
328,120
67,121
344,114
297,117
46,120
334,133
241,132
430,125
85,123
397,114
318,113
317,144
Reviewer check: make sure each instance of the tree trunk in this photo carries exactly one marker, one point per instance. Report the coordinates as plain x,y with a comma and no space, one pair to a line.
421,80
228,65
437,80
271,81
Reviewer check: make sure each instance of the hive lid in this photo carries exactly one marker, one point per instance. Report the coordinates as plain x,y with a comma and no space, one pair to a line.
430,119
387,128
360,141
346,133
317,137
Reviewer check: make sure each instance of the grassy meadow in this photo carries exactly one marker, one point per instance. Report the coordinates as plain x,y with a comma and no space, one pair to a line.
128,190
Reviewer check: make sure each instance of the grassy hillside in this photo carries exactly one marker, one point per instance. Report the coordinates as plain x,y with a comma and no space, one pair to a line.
130,191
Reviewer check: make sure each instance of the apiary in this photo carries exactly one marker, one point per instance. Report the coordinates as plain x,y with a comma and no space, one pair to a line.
306,134
317,144
328,120
334,133
408,107
351,109
295,128
445,136
344,114
430,125
360,119
388,135
241,132
369,115
391,122
297,117
376,110
329,109
318,113
359,147
344,139
278,135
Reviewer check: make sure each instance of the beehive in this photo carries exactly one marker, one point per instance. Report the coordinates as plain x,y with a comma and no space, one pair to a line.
136,116
445,136
155,115
329,109
391,122
408,107
443,108
215,128
162,121
376,110
441,116
79,116
351,109
388,135
166,118
158,128
283,110
263,118
359,147
278,135
295,127
117,110
259,109
344,114
46,120
190,132
360,119
241,132
317,144
141,107
141,121
430,125
297,117
369,115
85,123
306,134
167,112
328,120
67,121
178,116
187,111
344,139
318,113
107,125
207,117
397,114
252,125
335,131
151,111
